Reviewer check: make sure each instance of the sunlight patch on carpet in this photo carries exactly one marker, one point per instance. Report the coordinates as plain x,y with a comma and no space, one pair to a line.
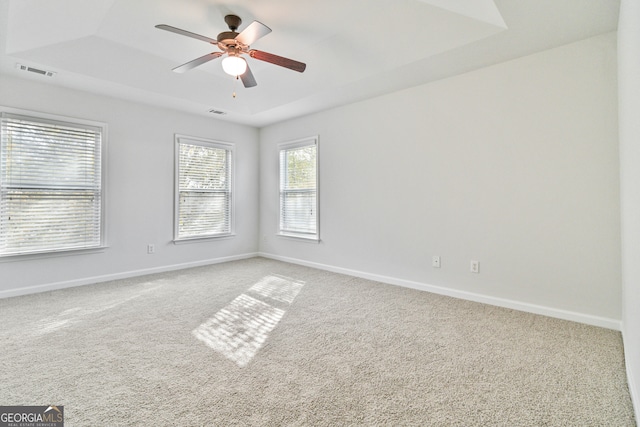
241,328
74,315
279,288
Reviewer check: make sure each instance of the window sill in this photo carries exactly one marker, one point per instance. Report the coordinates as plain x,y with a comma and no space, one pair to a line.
202,239
299,237
52,254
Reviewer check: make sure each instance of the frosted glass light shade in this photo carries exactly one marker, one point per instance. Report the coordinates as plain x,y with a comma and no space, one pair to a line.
234,65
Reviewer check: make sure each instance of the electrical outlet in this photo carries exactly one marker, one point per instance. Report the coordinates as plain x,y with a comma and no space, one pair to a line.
151,249
435,261
475,266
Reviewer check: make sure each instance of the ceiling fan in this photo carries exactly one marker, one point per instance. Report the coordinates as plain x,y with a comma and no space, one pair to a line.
234,45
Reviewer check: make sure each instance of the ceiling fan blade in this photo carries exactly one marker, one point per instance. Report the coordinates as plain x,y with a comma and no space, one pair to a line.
278,60
253,32
186,33
247,78
196,62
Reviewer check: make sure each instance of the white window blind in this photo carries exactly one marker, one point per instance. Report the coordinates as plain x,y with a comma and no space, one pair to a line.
203,188
50,185
299,189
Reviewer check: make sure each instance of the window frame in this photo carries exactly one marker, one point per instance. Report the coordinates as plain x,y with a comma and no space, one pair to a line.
290,145
205,142
47,118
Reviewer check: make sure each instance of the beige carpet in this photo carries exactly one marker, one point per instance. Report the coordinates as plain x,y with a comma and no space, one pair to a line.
260,342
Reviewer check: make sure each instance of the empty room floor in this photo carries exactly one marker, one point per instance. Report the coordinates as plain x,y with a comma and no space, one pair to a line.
262,342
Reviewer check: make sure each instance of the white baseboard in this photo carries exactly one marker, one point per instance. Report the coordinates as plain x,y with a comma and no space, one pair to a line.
470,296
116,276
631,364
633,391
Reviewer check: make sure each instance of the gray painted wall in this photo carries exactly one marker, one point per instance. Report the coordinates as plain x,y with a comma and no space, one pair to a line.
139,185
514,165
629,94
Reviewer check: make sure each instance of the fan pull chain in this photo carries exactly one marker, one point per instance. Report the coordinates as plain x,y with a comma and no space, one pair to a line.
235,83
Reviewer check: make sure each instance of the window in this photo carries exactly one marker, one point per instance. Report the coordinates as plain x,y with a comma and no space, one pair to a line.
299,189
50,185
203,188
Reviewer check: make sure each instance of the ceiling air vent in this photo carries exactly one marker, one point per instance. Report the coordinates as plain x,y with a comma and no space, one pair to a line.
35,70
220,113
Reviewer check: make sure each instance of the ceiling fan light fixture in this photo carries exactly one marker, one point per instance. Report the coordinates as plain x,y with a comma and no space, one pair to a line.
232,46
234,65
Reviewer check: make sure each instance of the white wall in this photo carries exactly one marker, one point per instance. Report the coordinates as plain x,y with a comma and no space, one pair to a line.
515,165
140,171
629,96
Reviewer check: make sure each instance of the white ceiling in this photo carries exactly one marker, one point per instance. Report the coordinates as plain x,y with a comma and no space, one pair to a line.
354,49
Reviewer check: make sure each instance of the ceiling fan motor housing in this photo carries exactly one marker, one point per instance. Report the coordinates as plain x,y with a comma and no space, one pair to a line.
226,35
227,39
